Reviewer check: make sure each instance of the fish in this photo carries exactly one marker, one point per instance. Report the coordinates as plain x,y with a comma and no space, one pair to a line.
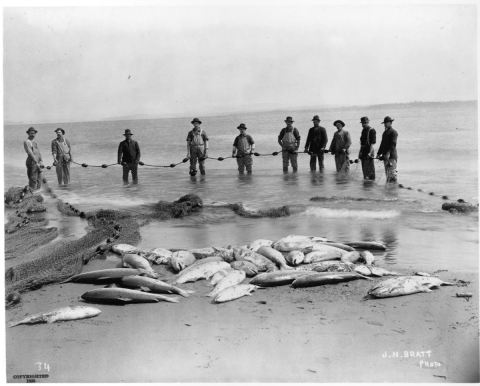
295,257
131,260
235,292
156,286
366,245
277,278
263,264
430,280
288,246
398,287
336,267
125,248
321,247
124,295
339,245
201,253
374,271
106,274
158,255
181,260
318,256
424,274
233,278
201,271
358,257
298,238
322,278
219,275
259,243
274,256
246,266
206,260
59,315
321,265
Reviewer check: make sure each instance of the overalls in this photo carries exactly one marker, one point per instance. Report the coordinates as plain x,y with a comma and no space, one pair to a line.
290,144
243,150
63,162
197,151
34,171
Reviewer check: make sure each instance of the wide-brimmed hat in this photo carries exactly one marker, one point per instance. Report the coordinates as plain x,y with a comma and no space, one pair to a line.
387,119
128,132
242,126
364,120
31,129
316,118
196,120
338,121
289,119
63,131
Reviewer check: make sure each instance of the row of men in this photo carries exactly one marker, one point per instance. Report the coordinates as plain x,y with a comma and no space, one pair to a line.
243,148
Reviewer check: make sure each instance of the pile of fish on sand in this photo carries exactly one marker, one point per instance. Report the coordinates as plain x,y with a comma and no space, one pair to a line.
299,261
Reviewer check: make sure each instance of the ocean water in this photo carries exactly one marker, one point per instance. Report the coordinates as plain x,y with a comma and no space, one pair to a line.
437,149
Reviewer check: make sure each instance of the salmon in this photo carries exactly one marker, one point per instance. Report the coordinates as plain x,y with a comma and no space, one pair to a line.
59,315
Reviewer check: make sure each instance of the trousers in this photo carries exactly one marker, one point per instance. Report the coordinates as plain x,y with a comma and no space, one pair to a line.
63,169
195,154
390,169
245,162
288,156
342,162
313,161
368,168
34,174
130,168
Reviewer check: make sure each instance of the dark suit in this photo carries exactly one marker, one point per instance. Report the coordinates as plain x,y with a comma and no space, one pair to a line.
129,152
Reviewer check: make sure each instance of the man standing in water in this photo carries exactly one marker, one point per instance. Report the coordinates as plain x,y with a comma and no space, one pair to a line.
129,156
289,140
243,147
197,147
367,139
62,156
340,147
34,160
388,150
316,141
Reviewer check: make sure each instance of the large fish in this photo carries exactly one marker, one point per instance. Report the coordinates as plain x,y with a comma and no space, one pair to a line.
59,315
431,281
202,261
263,264
201,253
399,287
366,245
248,267
320,266
288,246
318,256
322,247
124,295
226,254
131,260
322,278
336,267
201,271
298,238
295,257
233,278
106,274
345,247
158,255
156,286
235,292
274,256
219,275
277,278
259,243
125,248
181,260
374,271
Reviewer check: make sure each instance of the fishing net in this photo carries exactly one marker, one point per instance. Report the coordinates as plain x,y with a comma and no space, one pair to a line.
335,199
58,261
459,207
239,209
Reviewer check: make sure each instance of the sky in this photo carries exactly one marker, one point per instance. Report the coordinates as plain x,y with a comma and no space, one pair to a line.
64,64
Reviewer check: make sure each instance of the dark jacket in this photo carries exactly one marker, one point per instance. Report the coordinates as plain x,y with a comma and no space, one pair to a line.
128,152
389,143
367,138
317,139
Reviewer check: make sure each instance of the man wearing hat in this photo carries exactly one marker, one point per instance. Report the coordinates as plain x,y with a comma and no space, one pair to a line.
366,154
243,147
197,147
388,150
316,141
34,160
129,156
340,147
62,156
289,140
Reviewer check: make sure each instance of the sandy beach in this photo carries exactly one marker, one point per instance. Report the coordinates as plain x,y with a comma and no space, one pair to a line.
280,334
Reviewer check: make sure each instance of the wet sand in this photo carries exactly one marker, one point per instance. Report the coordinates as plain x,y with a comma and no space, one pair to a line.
281,334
